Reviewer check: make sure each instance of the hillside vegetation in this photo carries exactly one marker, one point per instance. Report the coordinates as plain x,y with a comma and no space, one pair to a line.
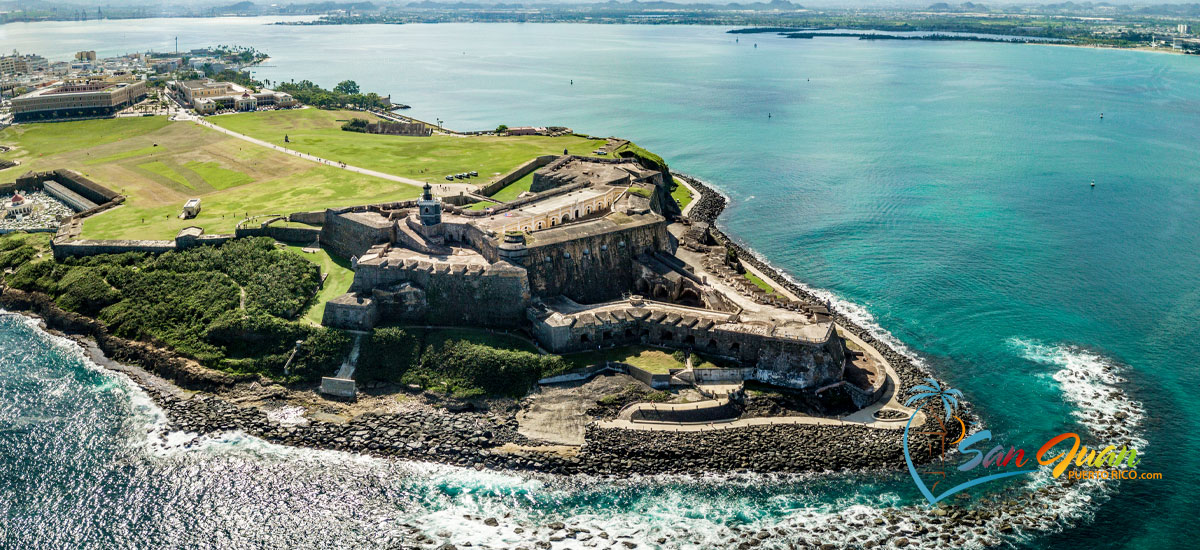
465,363
230,307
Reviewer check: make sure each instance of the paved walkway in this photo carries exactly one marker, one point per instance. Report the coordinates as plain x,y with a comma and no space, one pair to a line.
439,189
695,196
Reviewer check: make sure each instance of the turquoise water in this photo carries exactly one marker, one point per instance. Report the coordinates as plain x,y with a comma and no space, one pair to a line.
942,187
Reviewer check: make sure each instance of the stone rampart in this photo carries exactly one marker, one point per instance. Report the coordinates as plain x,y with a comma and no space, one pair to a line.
516,174
281,233
316,217
90,247
656,381
593,268
351,232
521,202
438,293
187,238
780,360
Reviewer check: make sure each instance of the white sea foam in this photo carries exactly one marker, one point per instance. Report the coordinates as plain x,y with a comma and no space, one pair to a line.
289,415
688,512
1091,382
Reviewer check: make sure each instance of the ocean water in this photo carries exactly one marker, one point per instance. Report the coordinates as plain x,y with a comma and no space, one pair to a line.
939,191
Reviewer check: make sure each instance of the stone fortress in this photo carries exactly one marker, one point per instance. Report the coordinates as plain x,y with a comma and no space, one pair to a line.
590,257
583,260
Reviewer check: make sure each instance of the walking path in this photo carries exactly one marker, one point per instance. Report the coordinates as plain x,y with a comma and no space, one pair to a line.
444,190
695,196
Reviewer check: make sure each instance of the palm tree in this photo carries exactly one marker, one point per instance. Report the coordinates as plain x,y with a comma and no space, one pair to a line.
948,396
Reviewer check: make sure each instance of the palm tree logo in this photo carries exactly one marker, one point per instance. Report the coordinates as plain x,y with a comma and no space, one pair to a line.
934,390
934,394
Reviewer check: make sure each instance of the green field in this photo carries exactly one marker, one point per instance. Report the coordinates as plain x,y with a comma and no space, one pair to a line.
681,195
319,133
511,191
160,164
759,282
337,283
653,360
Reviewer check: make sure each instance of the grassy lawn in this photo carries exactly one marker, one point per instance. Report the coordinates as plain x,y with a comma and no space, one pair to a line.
50,138
160,164
319,133
338,282
216,176
511,191
681,194
481,205
655,361
160,168
758,282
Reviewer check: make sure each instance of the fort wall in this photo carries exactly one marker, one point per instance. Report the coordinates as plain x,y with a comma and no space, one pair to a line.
280,232
782,361
351,232
311,218
91,247
594,268
517,173
419,290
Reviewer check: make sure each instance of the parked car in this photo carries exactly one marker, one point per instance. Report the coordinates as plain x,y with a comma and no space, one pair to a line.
474,174
449,178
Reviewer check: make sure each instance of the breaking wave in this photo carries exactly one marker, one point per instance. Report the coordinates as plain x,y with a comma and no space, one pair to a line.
412,502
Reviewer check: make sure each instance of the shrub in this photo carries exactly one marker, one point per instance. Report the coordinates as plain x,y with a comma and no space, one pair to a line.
86,291
356,125
387,355
467,369
226,306
321,354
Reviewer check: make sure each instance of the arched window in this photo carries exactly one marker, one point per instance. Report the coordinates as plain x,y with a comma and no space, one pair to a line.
539,225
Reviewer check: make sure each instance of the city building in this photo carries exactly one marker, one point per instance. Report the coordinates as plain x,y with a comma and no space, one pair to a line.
208,96
1184,28
165,65
22,64
78,99
85,56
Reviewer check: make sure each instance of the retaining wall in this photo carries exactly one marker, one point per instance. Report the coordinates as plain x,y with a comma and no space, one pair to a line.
656,381
516,174
89,247
311,218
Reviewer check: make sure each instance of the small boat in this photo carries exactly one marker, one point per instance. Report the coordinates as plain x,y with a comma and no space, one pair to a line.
1093,183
